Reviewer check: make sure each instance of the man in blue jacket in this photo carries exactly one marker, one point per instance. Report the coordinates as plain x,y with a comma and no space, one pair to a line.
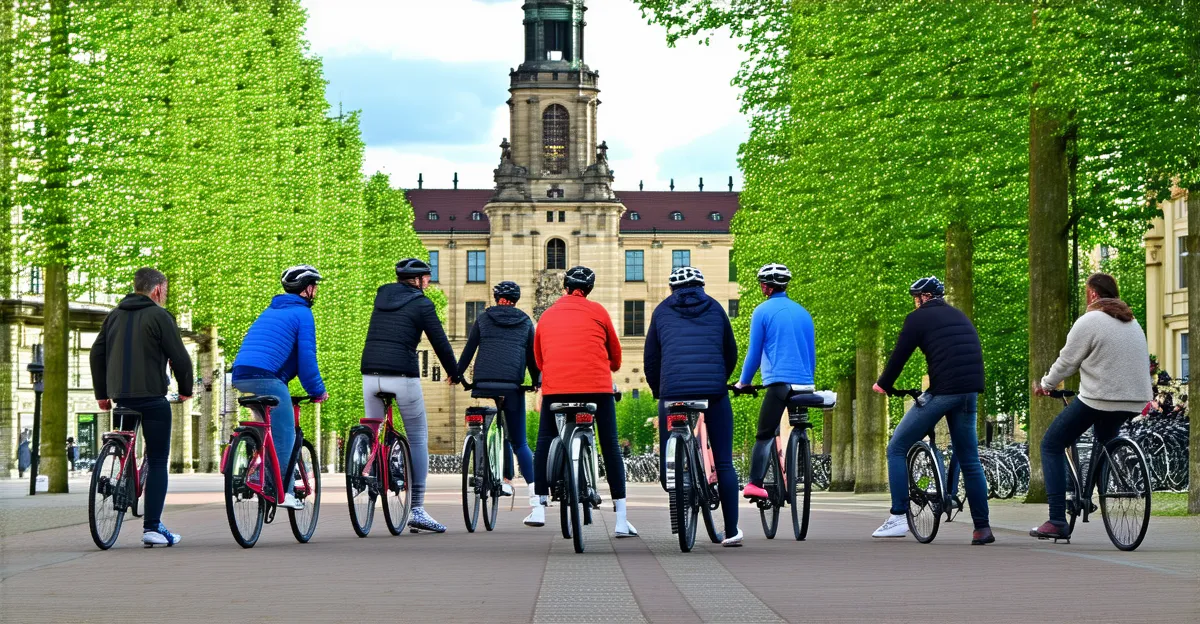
281,345
783,341
690,354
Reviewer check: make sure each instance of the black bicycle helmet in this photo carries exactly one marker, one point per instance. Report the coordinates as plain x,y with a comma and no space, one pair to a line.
774,275
409,268
299,277
579,278
507,290
927,286
685,276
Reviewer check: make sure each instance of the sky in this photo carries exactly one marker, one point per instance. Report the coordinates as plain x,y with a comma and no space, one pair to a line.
431,80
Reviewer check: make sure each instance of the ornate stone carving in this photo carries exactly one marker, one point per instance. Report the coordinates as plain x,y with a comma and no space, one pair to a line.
598,178
512,180
547,289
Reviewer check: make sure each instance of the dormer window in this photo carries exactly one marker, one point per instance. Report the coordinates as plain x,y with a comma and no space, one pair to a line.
432,215
677,216
633,216
477,216
715,216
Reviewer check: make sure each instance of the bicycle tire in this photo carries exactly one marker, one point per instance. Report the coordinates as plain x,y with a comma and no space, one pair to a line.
925,493
105,514
709,500
397,498
1124,477
136,501
244,509
577,485
1073,496
686,507
361,482
799,484
491,476
470,487
768,510
304,521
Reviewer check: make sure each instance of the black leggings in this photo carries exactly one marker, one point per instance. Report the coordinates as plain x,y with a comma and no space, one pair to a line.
773,405
156,431
606,435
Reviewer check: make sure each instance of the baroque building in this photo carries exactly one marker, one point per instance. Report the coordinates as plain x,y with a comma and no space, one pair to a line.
1167,287
553,206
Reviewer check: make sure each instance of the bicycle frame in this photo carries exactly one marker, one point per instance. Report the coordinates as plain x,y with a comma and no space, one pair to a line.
568,442
266,460
385,428
690,424
128,439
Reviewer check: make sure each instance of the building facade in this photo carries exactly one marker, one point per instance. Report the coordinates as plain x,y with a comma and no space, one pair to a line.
1167,287
553,207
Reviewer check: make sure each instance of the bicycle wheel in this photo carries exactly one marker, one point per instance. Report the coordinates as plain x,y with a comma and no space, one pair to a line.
489,485
799,484
1006,478
397,498
304,521
1073,496
686,508
470,485
768,510
362,482
106,510
1124,486
577,477
710,501
243,507
925,493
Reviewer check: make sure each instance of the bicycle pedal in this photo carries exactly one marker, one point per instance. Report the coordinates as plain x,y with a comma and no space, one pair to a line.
412,530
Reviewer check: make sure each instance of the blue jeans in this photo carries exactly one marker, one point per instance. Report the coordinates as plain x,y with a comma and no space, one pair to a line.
1071,423
718,421
959,410
283,424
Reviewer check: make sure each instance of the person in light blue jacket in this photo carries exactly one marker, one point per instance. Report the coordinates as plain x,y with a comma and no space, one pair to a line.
783,344
280,346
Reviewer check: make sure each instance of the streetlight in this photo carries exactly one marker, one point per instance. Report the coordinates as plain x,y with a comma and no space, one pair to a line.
36,370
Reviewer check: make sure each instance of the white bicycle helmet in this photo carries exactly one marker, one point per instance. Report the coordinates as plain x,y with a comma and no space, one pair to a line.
299,277
685,276
774,275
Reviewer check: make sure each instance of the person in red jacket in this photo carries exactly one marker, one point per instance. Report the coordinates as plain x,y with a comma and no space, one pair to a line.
577,350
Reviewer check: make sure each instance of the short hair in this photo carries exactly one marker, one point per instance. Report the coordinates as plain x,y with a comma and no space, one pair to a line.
147,279
1104,285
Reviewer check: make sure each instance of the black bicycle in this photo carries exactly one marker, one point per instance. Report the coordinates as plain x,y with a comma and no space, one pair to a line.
788,480
572,469
1120,472
483,454
690,478
929,496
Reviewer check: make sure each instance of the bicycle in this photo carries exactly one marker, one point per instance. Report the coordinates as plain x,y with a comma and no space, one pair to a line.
254,475
113,491
788,481
367,460
929,497
572,468
690,477
483,454
1121,473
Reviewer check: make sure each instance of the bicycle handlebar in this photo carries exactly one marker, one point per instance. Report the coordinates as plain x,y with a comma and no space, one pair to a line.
745,390
470,386
897,392
1062,394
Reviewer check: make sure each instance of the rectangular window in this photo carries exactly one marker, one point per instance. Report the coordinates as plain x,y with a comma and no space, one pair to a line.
562,216
1182,251
1184,357
35,280
549,216
474,309
476,266
635,263
433,266
437,373
681,258
732,268
507,221
733,308
635,318
424,363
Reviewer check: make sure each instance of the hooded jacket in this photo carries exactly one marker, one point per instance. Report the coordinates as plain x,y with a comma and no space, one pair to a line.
402,313
282,344
577,347
690,348
131,353
504,337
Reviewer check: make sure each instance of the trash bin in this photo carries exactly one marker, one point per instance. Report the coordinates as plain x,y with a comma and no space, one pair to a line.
42,484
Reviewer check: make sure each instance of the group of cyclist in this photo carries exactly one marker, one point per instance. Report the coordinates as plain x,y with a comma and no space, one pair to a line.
690,353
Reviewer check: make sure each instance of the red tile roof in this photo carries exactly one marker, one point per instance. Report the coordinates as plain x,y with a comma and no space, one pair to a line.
653,208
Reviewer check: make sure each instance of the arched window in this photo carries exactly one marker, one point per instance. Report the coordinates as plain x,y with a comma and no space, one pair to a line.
715,216
677,216
555,129
432,216
633,216
477,216
556,255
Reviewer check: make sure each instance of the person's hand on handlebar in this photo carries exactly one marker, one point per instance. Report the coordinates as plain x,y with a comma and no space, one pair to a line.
876,388
740,386
1038,390
321,399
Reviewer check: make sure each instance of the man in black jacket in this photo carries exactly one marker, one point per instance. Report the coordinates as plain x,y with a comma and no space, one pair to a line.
955,364
389,364
129,362
503,334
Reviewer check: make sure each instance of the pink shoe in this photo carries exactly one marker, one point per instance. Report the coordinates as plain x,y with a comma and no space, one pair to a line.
754,491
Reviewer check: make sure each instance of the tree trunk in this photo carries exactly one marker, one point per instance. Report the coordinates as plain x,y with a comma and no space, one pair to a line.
960,284
841,452
210,399
870,419
1049,273
1193,277
56,172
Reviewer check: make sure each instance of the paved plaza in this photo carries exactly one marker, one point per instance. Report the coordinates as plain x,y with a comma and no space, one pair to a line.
51,572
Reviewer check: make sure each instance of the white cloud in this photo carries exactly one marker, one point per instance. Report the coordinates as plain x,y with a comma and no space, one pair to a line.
655,98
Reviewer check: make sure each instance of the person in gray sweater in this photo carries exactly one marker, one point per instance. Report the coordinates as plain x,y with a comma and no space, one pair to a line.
1108,349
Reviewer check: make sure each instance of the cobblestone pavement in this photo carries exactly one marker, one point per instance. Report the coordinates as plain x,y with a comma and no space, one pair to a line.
51,572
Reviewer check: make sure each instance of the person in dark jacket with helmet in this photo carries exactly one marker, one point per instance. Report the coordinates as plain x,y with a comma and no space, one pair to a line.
690,354
503,335
389,364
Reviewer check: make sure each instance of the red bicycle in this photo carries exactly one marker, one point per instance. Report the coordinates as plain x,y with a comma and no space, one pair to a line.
254,479
117,479
375,469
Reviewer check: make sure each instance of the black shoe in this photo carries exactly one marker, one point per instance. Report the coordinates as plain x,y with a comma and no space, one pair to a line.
1050,530
982,536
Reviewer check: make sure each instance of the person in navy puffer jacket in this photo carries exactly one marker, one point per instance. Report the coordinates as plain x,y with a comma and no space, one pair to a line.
278,347
690,354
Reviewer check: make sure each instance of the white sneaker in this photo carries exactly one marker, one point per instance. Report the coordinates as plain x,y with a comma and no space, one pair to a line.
896,526
506,489
291,502
160,537
735,541
537,516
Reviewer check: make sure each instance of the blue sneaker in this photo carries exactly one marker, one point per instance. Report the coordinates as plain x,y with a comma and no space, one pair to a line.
159,536
420,521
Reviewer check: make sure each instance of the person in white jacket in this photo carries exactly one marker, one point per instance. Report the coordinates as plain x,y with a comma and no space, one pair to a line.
1108,348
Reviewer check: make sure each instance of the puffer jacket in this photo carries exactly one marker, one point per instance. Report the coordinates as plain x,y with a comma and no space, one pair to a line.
504,337
690,348
576,347
951,346
282,344
402,313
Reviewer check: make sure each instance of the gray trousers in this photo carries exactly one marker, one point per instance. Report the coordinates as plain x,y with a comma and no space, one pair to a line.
410,402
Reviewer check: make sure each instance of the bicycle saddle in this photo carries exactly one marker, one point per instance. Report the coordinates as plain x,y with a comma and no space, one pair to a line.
697,406
480,411
385,395
491,389
573,408
255,400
